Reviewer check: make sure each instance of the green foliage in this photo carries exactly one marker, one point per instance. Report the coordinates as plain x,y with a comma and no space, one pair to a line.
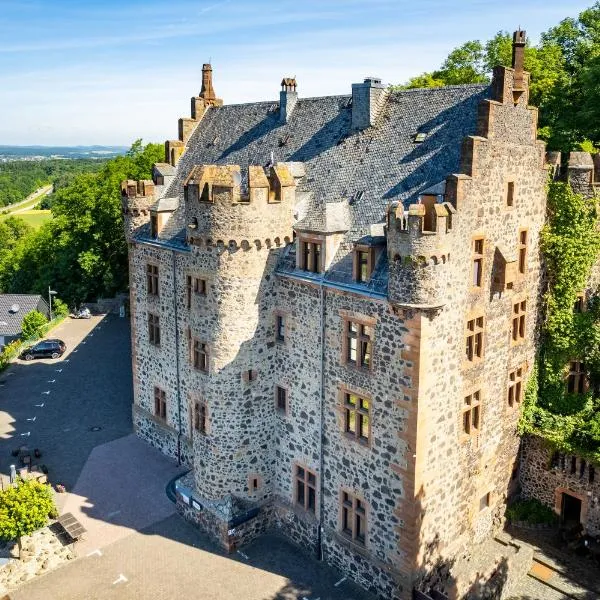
531,511
81,252
25,508
20,178
34,325
571,245
565,76
8,353
59,308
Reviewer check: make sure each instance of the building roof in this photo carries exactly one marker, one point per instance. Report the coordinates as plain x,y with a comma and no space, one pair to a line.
367,169
23,303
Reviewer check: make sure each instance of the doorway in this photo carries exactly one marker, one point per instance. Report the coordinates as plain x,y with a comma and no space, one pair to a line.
570,513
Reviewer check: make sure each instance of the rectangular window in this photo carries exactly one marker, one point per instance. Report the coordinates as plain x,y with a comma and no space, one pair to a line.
153,226
484,502
200,355
522,251
518,321
188,292
363,264
280,328
510,194
356,417
160,403
579,304
199,286
471,414
576,380
154,329
359,340
474,339
281,399
310,256
515,386
152,279
478,246
200,417
353,518
306,489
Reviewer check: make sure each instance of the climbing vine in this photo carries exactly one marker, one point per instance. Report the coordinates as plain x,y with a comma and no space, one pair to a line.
570,243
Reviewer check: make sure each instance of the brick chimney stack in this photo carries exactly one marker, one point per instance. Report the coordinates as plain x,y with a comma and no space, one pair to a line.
518,59
207,92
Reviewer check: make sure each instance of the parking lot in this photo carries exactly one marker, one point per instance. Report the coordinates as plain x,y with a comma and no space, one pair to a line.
77,411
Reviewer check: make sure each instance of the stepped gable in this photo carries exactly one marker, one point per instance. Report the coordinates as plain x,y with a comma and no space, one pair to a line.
368,168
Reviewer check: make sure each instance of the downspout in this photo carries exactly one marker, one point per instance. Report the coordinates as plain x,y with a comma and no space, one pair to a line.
177,360
322,418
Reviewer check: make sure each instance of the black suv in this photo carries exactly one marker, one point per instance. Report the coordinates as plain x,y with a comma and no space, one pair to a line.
45,349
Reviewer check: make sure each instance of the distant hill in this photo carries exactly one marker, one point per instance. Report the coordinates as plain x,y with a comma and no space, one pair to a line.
10,153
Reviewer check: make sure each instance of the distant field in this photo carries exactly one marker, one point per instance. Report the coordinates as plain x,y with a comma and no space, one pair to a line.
35,218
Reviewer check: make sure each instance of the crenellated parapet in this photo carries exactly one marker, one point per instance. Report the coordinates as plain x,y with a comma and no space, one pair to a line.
225,208
419,240
136,199
584,173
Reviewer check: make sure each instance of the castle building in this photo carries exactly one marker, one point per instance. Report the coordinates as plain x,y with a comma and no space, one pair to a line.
333,308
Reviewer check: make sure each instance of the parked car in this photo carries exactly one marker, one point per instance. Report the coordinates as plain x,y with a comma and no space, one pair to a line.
44,349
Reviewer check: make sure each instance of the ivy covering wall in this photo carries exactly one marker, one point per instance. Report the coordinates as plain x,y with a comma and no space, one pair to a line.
570,242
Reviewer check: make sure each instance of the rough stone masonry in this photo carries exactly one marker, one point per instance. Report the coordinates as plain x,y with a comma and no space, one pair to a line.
332,302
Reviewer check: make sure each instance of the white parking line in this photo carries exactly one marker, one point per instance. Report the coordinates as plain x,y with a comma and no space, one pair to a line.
339,582
98,552
39,405
51,380
112,514
59,370
47,393
32,419
26,434
120,579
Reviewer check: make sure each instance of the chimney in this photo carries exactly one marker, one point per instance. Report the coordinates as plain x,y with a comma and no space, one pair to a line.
367,99
518,59
207,92
287,98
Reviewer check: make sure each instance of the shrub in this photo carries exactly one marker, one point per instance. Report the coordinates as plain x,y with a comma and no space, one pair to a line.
9,352
25,508
531,511
59,308
34,325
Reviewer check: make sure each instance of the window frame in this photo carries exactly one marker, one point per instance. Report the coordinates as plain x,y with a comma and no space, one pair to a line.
523,251
477,262
364,343
281,392
471,415
302,482
154,329
353,509
200,348
360,414
578,376
152,279
280,325
519,321
160,403
200,417
368,263
474,338
311,256
509,200
516,386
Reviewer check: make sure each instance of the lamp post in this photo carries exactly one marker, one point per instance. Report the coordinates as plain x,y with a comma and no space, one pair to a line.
50,294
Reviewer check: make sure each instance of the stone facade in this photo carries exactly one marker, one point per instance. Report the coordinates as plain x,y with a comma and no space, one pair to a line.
251,377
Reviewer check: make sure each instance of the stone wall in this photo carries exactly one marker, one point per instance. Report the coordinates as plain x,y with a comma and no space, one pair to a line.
546,476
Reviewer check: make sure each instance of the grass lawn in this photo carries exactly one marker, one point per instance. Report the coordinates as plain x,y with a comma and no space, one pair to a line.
35,218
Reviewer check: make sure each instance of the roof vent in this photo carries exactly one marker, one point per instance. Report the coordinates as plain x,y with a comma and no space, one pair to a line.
14,309
419,137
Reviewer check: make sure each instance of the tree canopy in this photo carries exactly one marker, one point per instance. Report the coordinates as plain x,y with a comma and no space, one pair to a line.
565,76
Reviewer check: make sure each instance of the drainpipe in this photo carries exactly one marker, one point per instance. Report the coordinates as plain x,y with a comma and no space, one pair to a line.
322,418
177,360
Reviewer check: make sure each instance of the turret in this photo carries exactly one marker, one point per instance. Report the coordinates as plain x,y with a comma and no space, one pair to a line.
418,242
511,84
224,207
136,199
581,169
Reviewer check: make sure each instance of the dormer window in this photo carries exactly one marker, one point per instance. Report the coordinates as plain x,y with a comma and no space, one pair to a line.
311,256
154,226
363,263
419,137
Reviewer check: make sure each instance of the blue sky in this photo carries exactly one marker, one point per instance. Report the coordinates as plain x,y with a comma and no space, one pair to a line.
108,71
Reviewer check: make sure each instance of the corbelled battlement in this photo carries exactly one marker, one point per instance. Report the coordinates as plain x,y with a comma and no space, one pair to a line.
136,199
584,173
224,206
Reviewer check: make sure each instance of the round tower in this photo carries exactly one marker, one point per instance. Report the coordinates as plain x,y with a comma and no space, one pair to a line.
136,199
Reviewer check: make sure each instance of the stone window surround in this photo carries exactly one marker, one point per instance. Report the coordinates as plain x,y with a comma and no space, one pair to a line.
518,319
249,375
286,412
474,316
371,258
359,319
340,529
286,328
476,395
344,389
579,375
153,321
559,491
295,503
303,238
523,251
192,342
489,497
196,417
252,479
152,279
510,192
478,257
518,384
580,305
160,403
191,285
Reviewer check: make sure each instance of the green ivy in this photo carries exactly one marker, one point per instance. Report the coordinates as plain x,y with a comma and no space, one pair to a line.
570,242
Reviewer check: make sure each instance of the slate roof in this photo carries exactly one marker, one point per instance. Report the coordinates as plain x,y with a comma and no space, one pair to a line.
365,169
13,320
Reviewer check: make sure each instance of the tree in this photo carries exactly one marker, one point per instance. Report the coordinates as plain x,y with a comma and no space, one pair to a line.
34,323
25,508
59,308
